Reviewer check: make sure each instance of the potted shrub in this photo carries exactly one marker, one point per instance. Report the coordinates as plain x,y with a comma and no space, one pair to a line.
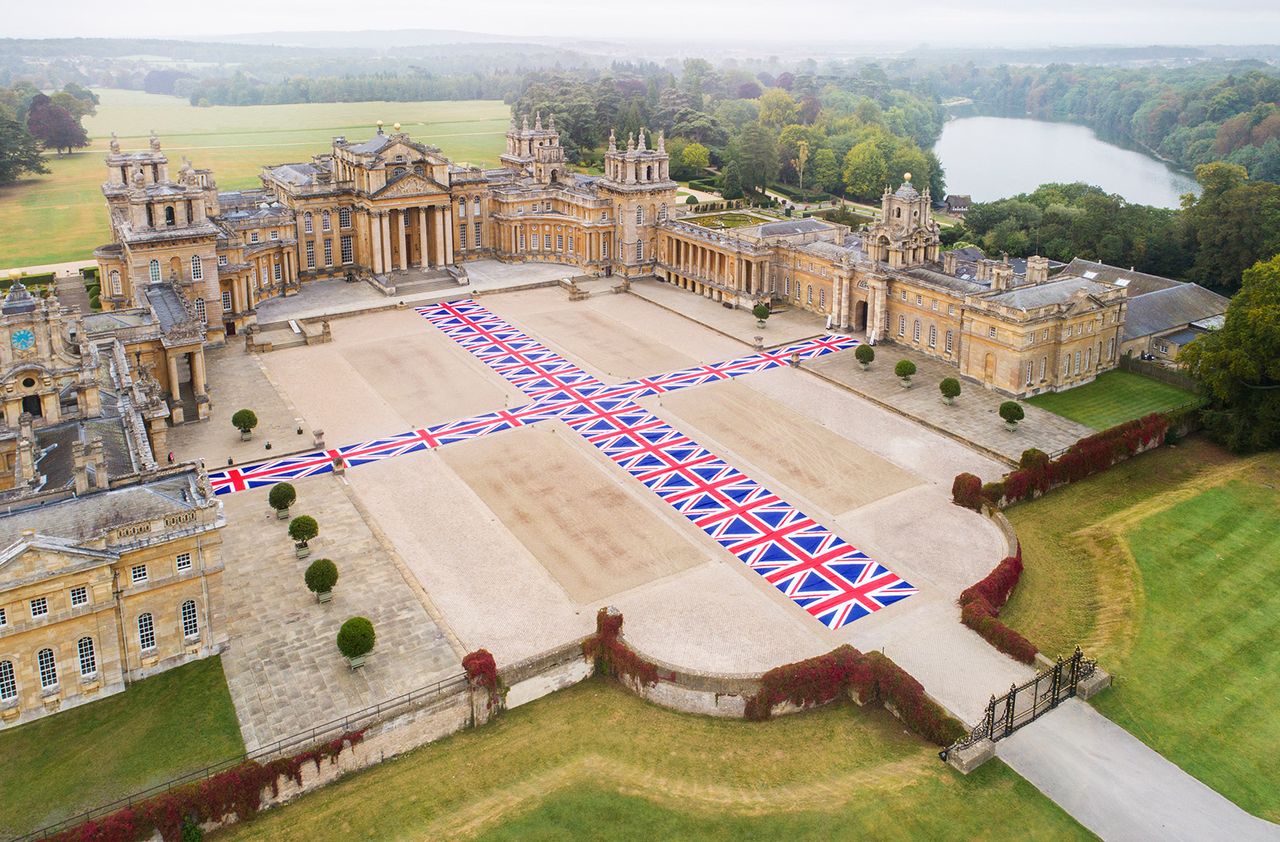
244,420
320,577
950,388
280,498
761,312
864,354
302,529
355,640
904,369
1011,412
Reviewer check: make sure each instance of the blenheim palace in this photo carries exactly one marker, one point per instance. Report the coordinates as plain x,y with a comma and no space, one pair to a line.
110,555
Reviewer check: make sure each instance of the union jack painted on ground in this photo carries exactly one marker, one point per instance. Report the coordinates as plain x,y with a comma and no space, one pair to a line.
806,562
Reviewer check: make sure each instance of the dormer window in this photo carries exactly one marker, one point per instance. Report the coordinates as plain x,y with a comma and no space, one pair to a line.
399,159
398,171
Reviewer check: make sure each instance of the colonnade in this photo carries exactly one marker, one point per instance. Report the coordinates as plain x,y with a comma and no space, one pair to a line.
394,236
698,268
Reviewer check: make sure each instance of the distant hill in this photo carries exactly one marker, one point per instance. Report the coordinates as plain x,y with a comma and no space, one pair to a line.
370,38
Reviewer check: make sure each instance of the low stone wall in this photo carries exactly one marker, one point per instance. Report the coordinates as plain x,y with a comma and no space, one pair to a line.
544,674
694,691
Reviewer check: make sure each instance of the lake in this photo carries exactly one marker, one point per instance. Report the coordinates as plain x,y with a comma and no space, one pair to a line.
995,157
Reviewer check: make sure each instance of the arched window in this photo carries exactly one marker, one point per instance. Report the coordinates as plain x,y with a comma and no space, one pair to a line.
48,668
200,312
153,269
307,224
197,268
898,213
169,217
648,173
88,662
475,206
639,216
146,632
190,625
344,217
326,221
662,212
8,682
115,283
915,331
462,208
808,295
398,171
822,299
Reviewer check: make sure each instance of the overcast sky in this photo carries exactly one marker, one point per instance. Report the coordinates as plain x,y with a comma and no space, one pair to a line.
955,24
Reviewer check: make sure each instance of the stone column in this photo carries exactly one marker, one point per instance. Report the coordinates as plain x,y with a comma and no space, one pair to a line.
836,291
403,241
197,371
384,226
448,218
438,222
174,389
422,238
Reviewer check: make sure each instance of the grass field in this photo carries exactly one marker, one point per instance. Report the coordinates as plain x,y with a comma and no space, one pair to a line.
594,762
61,216
1167,568
164,726
1113,398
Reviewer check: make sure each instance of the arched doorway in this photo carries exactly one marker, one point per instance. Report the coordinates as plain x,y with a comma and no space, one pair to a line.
860,316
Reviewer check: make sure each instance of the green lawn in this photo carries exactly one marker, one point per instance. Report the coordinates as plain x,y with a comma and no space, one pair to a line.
1167,568
1113,398
595,762
62,217
176,722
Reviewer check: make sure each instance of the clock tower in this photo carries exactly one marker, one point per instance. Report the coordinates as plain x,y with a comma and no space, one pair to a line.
906,234
42,372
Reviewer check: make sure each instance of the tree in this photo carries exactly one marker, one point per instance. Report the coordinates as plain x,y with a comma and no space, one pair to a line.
356,638
864,354
1012,412
244,420
756,159
866,170
54,126
762,312
826,172
303,528
730,181
778,108
1235,223
800,160
903,370
281,497
950,388
696,157
321,576
1238,366
19,152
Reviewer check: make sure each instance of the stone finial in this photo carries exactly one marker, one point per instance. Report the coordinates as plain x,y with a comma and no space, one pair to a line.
155,141
396,126
537,121
551,122
379,127
138,178
115,143
640,144
662,140
631,142
613,141
511,124
524,123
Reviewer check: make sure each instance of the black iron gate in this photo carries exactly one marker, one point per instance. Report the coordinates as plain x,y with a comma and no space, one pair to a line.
1025,703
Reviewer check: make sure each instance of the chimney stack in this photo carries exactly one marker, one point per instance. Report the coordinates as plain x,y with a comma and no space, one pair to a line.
1001,276
1037,269
949,262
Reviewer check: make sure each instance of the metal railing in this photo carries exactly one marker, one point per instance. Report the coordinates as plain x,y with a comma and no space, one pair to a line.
284,746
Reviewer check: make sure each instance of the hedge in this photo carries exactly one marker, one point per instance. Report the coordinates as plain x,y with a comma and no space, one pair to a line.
980,606
1036,473
236,791
870,677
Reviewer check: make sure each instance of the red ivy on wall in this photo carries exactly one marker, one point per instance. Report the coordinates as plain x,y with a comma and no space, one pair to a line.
980,606
612,656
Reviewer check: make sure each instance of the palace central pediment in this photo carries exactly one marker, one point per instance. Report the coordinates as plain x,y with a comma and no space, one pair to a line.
411,184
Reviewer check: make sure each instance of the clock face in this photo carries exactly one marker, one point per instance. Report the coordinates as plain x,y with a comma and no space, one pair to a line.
22,339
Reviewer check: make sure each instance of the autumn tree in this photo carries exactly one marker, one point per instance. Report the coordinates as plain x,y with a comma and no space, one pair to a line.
54,126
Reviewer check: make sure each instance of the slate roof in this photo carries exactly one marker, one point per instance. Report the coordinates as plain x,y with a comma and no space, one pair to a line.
298,174
1138,283
164,300
944,281
796,226
1165,309
373,145
1052,292
1182,337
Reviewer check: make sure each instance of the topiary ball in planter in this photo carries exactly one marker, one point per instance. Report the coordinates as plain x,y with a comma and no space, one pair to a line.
950,388
903,370
302,529
320,577
281,497
1012,413
864,354
355,640
762,312
244,420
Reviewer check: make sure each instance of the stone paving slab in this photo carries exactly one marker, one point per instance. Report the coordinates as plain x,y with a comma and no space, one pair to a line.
974,418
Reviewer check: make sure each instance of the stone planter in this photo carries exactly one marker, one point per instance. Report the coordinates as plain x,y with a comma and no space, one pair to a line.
948,401
905,382
1011,426
357,662
324,597
864,366
282,514
246,435
301,550
760,323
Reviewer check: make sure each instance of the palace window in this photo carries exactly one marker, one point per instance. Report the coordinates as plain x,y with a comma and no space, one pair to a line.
521,241
904,295
604,248
226,301
197,268
1088,359
991,332
275,235
933,336
915,331
822,299
153,271
1031,371
1066,366
475,206
39,607
462,236
478,227
326,221
1077,362
462,208
307,225
919,300
346,248
933,304
222,260
662,212
902,325
949,342
1111,347
559,242
183,562
639,216
639,250
1044,365
344,217
138,573
170,218
546,242
8,682
201,313
115,283
786,287
88,663
254,237
79,596
48,669
277,270
311,254
604,216
397,172
146,632
4,619
190,625
328,252
951,309
570,245
808,298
